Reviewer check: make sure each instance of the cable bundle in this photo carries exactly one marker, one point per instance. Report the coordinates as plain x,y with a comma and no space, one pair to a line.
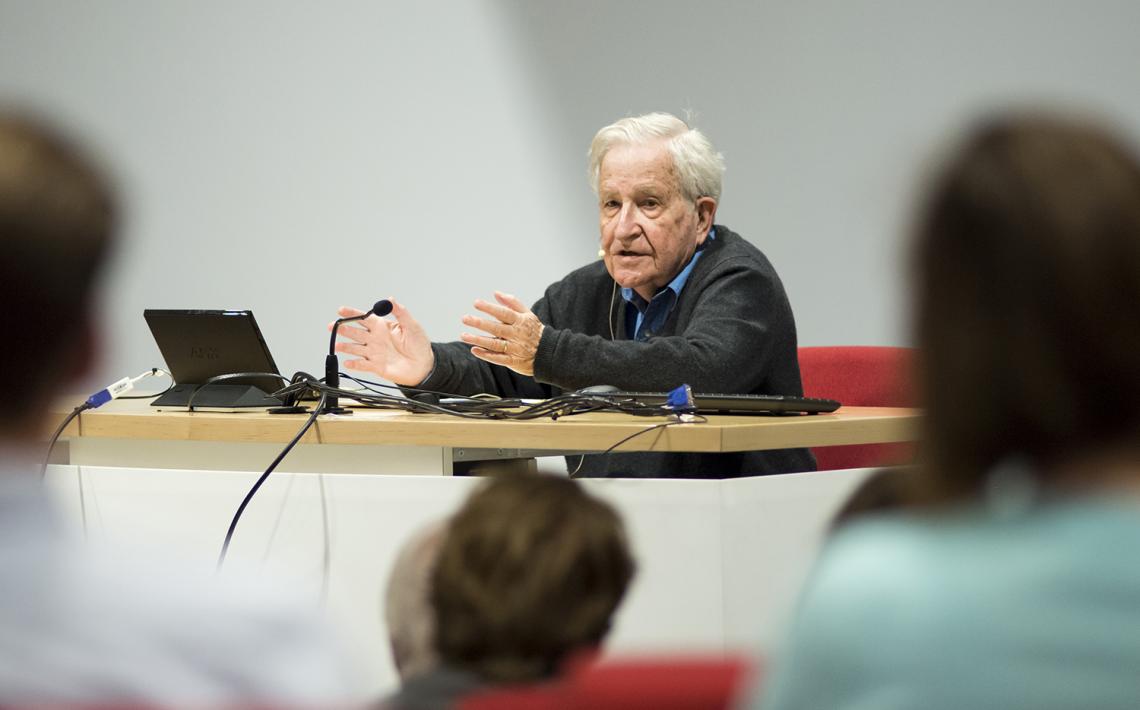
477,407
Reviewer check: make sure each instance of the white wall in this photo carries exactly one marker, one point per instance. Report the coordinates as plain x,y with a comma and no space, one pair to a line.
290,159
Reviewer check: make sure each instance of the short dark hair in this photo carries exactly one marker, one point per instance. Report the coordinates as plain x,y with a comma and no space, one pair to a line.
1027,263
57,221
531,570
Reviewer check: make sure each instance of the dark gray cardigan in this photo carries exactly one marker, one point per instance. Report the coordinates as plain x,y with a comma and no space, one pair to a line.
731,331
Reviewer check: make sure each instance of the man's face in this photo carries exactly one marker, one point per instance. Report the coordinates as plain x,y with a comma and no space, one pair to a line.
649,229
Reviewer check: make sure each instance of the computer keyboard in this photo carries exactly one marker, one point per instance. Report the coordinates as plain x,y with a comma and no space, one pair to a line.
740,403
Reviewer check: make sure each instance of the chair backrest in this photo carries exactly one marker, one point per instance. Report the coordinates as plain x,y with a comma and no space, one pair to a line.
859,376
661,683
539,697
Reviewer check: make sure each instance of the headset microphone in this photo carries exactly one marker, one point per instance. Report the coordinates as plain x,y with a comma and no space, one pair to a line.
332,364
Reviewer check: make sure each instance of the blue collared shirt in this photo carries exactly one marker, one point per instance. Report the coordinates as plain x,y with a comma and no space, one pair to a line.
646,318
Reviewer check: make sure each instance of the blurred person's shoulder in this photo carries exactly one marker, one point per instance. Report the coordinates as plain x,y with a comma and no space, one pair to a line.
902,606
898,571
888,578
88,626
878,554
231,637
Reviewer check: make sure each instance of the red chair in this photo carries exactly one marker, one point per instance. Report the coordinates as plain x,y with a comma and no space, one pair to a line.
859,376
538,697
652,683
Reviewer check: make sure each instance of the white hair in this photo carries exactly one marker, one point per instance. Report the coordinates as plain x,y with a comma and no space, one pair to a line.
699,167
407,608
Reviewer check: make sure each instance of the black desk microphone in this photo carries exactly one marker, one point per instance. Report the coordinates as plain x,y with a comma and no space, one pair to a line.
332,364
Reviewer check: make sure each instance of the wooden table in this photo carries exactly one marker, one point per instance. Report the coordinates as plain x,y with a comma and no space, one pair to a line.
131,433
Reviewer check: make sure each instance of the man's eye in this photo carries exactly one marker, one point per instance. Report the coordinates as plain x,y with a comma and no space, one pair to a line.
651,203
611,205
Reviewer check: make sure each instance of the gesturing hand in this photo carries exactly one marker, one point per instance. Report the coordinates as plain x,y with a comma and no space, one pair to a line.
513,335
397,350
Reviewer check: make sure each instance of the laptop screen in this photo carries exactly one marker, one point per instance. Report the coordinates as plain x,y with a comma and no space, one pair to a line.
198,345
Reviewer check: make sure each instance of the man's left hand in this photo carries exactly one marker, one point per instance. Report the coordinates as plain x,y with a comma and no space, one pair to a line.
512,336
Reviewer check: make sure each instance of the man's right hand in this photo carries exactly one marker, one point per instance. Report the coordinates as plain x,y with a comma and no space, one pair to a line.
397,350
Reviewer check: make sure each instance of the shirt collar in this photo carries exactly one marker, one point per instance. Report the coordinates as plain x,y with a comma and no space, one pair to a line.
678,281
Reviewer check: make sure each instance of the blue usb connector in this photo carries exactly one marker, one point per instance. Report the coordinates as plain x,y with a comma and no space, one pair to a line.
681,400
118,389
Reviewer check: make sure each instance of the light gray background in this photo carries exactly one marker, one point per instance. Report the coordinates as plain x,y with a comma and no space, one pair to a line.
291,158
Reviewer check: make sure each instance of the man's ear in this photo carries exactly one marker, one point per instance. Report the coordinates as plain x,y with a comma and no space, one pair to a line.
706,215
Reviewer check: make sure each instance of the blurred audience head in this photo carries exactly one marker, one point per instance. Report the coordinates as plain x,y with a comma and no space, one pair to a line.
885,490
57,225
407,608
531,571
1027,265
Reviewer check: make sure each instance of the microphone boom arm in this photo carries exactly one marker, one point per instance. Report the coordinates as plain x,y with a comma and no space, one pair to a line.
332,363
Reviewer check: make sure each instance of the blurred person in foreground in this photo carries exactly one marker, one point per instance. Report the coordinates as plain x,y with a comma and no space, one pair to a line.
1016,583
881,491
407,606
675,299
531,571
81,630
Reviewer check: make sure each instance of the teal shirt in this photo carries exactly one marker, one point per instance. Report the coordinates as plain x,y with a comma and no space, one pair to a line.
1035,610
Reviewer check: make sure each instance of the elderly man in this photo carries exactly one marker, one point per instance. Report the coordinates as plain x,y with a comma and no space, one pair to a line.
675,299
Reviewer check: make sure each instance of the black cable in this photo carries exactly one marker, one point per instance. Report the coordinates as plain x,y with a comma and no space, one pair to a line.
370,384
695,419
154,371
94,401
515,409
152,395
229,376
553,405
459,403
261,479
469,410
59,432
565,404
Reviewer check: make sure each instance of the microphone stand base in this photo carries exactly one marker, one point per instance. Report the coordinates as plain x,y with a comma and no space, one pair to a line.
336,410
288,410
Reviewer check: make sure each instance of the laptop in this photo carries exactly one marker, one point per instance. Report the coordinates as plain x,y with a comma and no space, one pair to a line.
198,345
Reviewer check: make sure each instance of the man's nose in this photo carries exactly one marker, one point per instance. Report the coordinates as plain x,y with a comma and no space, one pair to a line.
627,226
